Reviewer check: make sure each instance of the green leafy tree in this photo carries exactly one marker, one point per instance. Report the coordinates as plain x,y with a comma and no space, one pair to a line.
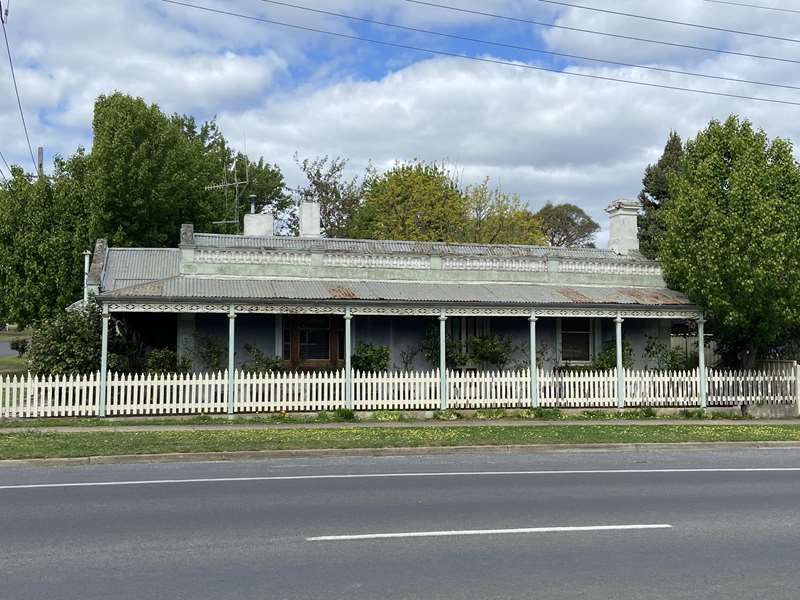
567,225
339,198
495,217
414,201
607,358
731,238
490,350
655,195
146,174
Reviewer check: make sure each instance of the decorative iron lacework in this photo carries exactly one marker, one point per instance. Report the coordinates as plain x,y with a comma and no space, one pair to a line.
521,311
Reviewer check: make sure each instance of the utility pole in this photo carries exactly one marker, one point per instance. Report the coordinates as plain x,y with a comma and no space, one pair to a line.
40,161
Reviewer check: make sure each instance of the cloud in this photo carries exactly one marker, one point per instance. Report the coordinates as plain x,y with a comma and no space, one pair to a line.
547,137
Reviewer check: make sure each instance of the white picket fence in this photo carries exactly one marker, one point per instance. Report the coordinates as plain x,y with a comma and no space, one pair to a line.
176,394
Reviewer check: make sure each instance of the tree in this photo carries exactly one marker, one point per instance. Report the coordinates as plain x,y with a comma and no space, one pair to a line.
67,344
413,201
146,174
731,238
495,217
152,170
567,225
655,195
339,198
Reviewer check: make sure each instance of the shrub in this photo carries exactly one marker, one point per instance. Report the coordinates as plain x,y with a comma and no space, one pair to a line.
260,363
454,355
370,357
20,346
607,359
490,350
447,415
68,343
165,360
692,413
210,351
390,415
490,414
546,414
344,414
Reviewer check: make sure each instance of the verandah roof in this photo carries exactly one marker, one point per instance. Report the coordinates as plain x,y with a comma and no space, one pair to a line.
190,288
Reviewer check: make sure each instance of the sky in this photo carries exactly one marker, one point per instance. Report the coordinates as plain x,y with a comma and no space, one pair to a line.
547,136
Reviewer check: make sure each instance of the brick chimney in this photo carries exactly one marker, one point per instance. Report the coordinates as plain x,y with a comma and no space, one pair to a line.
623,232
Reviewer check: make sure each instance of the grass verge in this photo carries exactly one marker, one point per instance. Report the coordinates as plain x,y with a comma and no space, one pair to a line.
33,444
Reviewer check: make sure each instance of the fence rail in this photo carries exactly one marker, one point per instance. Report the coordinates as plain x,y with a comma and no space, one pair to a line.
198,393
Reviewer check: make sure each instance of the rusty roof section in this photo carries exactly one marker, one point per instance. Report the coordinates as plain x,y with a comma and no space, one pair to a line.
188,288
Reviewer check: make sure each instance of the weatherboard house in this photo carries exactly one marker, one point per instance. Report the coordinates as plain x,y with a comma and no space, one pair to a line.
308,300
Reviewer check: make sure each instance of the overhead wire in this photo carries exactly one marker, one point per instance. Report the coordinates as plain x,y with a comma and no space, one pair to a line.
669,21
481,59
761,6
16,91
601,33
528,48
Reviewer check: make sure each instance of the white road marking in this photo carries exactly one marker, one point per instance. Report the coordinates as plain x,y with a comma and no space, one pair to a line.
395,475
418,534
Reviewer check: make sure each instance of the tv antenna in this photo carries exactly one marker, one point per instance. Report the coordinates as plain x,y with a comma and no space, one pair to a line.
238,186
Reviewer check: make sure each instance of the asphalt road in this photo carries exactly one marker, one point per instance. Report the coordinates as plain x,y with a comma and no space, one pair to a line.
732,533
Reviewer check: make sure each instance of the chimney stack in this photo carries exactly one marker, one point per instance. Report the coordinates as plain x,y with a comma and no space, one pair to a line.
309,219
260,224
623,231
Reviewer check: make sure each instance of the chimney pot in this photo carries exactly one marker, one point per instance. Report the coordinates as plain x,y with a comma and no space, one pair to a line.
623,230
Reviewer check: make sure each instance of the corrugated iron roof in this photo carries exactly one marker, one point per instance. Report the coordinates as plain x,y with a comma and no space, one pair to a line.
125,267
213,240
189,288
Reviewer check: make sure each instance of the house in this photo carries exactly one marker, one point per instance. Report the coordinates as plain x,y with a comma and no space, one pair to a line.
308,299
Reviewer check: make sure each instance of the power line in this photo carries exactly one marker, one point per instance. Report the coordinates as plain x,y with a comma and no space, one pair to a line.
529,49
3,158
19,102
762,7
670,21
603,33
481,59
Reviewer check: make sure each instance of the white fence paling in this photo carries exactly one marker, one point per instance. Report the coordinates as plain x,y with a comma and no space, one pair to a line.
578,389
289,391
677,388
173,394
402,390
488,389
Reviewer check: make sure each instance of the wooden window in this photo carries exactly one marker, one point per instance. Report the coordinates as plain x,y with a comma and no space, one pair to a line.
312,340
576,340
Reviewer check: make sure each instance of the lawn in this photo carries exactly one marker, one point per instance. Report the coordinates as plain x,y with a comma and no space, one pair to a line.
32,444
10,365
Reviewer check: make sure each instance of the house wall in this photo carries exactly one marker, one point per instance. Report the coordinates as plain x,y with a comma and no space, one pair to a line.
405,335
255,329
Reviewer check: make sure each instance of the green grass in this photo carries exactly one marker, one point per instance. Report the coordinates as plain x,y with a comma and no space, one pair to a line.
9,336
10,365
33,444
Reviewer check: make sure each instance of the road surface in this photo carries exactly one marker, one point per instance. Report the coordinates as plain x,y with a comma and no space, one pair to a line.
666,524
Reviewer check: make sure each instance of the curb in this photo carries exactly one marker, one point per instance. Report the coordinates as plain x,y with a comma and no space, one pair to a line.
400,451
